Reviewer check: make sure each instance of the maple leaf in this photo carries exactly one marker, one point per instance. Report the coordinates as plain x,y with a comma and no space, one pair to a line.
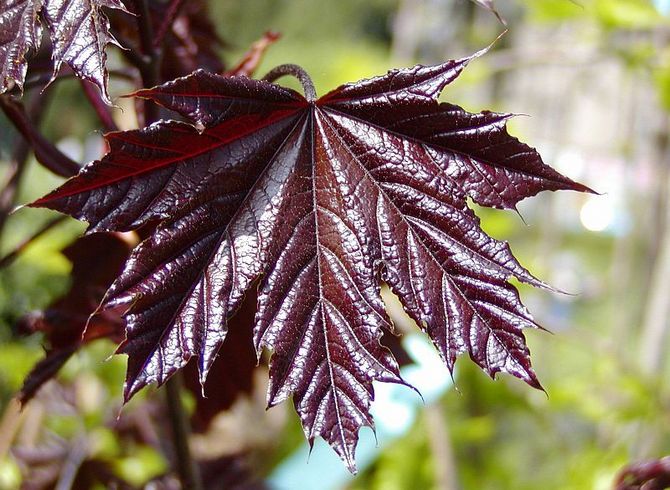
184,33
79,34
321,199
20,34
193,42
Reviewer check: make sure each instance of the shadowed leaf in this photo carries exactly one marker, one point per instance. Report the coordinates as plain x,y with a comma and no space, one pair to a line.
96,261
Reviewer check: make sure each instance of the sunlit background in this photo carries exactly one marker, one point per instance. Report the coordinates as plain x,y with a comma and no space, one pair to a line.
591,82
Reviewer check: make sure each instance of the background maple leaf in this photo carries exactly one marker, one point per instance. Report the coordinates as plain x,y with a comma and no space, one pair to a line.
79,32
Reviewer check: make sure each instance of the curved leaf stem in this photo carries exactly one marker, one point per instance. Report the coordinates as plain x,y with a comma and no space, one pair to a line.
297,72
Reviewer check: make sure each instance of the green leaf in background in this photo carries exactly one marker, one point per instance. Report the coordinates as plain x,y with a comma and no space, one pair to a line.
627,14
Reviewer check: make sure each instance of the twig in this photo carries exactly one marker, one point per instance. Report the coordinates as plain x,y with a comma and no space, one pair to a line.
19,160
440,443
42,80
252,58
188,471
100,108
9,425
150,70
45,151
132,54
13,255
170,15
70,467
9,192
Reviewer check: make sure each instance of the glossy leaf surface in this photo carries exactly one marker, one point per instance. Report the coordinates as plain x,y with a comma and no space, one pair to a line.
20,34
322,200
79,32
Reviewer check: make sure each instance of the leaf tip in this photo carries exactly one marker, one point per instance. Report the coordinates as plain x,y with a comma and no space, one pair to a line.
347,456
20,207
486,49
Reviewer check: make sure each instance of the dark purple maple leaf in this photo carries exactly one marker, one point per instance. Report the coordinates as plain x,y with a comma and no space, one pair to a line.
184,33
322,199
20,34
79,33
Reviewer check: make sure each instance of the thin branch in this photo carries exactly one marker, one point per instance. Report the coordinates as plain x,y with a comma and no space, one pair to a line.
252,58
132,54
188,471
11,188
42,80
9,425
14,254
45,151
170,15
146,27
19,161
100,108
76,456
150,71
440,443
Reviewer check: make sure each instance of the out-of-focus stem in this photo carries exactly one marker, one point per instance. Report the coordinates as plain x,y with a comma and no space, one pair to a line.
150,69
188,471
9,425
11,188
252,58
13,255
100,108
440,443
170,15
45,151
19,160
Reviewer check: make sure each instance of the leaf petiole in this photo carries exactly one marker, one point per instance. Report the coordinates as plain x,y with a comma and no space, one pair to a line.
297,72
